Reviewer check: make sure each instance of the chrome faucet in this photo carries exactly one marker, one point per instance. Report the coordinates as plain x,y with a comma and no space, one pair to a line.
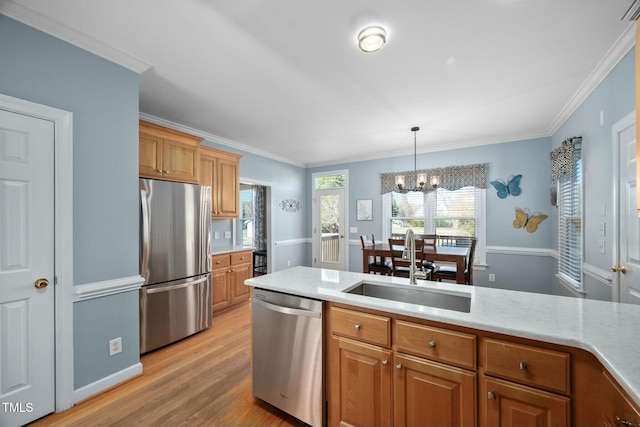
410,245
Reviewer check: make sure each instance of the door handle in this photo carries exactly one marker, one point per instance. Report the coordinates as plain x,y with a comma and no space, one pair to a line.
619,269
41,283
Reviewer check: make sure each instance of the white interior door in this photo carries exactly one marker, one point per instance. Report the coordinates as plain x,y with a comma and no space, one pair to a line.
629,224
329,229
27,354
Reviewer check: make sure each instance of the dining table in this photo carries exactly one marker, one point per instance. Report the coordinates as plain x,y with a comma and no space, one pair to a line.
454,254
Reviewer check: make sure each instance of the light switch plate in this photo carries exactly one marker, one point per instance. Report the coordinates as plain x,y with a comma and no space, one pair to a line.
601,246
227,234
602,228
353,229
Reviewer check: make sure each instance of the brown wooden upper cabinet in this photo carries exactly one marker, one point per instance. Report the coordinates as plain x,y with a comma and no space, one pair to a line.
221,170
168,154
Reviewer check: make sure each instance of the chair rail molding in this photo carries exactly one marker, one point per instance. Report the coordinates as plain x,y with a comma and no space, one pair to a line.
597,273
107,287
513,250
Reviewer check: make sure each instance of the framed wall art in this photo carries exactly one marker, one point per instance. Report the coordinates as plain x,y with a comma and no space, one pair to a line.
364,210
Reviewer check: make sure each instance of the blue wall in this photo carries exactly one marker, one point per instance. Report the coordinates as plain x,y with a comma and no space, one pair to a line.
290,229
615,97
103,98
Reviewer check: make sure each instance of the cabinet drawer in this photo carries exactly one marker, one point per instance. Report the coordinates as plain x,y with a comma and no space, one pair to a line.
219,261
528,365
366,327
240,257
436,343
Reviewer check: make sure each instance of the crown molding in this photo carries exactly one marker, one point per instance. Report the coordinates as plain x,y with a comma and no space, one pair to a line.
217,139
619,49
56,29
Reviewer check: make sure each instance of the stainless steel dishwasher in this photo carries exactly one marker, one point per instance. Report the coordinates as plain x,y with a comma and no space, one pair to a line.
287,354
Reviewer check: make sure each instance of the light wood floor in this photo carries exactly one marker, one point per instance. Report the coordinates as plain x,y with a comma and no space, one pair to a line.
203,380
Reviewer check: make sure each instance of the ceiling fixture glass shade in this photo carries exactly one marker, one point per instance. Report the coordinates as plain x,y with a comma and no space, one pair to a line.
420,178
372,38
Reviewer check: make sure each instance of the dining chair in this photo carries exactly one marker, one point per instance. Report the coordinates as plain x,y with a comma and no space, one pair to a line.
447,272
400,259
376,264
430,241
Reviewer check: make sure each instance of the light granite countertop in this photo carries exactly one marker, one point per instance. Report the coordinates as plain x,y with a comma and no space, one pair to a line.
610,331
219,250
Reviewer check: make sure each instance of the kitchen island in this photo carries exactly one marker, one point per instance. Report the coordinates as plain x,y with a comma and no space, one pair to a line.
609,331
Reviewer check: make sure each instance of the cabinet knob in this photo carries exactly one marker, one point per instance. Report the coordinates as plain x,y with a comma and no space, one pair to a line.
524,366
432,343
399,366
385,361
491,395
357,326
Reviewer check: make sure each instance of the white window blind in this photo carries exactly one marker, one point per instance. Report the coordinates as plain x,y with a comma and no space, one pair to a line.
570,218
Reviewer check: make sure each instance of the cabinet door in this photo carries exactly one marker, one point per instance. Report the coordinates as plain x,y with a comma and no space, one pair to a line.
207,168
359,384
617,409
180,161
504,403
220,288
239,291
227,187
428,393
150,156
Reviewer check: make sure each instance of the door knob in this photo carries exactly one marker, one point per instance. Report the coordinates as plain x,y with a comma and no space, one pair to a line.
619,269
41,283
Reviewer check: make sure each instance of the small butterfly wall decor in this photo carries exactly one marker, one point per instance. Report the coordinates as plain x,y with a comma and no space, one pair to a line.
511,187
528,222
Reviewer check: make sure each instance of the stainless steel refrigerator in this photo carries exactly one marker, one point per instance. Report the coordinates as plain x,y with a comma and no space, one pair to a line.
175,261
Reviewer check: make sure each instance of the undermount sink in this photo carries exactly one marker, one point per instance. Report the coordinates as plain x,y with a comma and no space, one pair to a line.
458,301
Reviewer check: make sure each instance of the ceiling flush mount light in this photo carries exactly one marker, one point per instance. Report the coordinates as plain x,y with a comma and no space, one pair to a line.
371,39
420,178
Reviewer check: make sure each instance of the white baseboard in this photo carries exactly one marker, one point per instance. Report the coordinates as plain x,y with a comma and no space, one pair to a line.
107,382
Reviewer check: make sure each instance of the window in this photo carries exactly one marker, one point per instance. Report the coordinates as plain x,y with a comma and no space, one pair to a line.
570,222
444,212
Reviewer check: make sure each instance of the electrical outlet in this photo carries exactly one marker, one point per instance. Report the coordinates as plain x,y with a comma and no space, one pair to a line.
492,277
115,346
216,235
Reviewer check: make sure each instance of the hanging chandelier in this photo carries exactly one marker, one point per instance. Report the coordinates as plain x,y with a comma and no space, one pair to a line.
419,179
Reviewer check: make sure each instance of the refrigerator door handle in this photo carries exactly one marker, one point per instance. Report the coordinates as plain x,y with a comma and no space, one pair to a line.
154,290
144,261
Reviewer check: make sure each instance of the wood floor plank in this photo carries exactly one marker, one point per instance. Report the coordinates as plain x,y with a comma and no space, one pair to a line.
203,380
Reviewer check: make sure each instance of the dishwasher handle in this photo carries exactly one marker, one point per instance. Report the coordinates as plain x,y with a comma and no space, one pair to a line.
288,310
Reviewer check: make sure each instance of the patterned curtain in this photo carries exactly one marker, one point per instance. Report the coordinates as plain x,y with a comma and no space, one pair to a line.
259,195
562,158
451,178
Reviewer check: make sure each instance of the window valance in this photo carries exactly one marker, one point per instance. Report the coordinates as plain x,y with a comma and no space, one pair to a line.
451,178
562,158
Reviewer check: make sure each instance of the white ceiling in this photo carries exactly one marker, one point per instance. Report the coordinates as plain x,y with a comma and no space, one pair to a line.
285,79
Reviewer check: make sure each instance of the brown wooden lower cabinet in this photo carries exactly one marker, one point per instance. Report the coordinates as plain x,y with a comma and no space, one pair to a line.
228,273
360,384
617,408
504,403
386,369
428,393
372,385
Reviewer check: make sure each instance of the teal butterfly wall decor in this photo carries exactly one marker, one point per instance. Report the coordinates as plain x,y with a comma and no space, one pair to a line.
511,187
